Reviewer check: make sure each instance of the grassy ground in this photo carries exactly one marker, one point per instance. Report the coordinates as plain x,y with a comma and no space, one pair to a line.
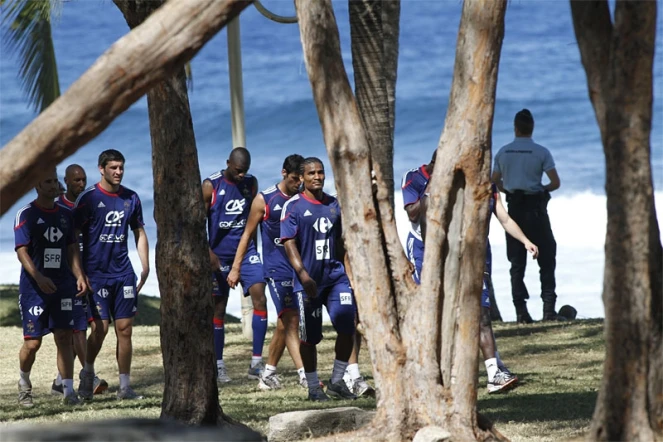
559,365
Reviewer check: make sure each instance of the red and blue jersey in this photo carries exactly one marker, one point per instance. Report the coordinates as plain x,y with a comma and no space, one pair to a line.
274,260
316,226
46,233
413,187
104,220
228,213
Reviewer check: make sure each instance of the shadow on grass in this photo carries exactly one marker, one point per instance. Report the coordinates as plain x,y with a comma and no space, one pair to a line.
539,407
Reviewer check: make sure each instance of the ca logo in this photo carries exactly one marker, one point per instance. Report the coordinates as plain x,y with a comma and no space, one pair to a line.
114,218
235,207
323,224
53,234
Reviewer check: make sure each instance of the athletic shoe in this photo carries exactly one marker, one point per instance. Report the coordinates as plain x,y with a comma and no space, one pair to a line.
25,395
57,390
99,386
524,318
86,385
256,370
222,375
361,388
339,390
317,395
502,382
303,383
271,382
127,393
72,399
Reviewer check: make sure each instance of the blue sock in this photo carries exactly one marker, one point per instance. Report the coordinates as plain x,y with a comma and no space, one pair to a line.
219,338
259,331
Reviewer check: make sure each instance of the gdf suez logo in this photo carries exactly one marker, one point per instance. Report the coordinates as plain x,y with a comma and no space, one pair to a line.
53,234
323,225
114,218
235,207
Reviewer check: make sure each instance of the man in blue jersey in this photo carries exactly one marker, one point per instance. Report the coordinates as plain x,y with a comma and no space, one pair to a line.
104,214
266,211
76,181
228,195
47,249
414,186
311,235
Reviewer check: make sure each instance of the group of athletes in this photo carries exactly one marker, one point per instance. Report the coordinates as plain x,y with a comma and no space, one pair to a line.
73,247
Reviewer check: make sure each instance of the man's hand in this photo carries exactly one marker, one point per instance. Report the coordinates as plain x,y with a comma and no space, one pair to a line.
309,285
534,250
45,284
233,277
143,278
214,261
82,286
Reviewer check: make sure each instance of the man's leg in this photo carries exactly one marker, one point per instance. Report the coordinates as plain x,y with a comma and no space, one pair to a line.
26,358
257,293
94,344
65,361
342,312
547,263
310,333
499,377
124,351
220,303
517,255
352,377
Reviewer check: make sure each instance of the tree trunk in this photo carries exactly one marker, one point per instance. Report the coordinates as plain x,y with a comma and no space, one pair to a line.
422,379
190,391
618,60
124,73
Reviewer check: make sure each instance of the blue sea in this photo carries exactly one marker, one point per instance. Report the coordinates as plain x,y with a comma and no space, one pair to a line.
540,69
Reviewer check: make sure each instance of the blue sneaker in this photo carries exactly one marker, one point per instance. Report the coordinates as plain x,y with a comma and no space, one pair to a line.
256,370
317,395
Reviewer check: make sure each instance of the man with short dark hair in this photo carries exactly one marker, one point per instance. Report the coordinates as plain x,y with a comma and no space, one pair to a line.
311,235
266,211
518,171
47,249
104,214
228,195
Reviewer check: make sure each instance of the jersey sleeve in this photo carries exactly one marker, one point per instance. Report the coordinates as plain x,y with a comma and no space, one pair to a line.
289,222
136,220
496,162
548,162
410,188
21,230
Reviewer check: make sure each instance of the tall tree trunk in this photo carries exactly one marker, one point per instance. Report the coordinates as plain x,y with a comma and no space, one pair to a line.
190,391
422,378
149,54
618,60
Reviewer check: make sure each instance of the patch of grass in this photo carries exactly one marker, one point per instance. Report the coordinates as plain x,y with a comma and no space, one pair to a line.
559,364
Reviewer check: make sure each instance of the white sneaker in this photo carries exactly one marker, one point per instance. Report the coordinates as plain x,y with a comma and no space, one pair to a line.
502,382
222,375
361,388
271,382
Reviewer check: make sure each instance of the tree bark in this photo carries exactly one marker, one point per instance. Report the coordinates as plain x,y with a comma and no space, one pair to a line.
422,379
149,54
618,60
190,391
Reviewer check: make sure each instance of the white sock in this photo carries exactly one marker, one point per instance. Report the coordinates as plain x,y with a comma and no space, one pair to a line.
352,372
301,373
89,367
500,364
491,368
58,379
338,371
255,360
125,380
220,363
67,387
312,380
269,370
24,377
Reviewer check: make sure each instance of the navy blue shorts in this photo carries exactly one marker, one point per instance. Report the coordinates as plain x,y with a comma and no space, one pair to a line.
415,253
113,297
82,313
42,313
250,273
340,302
282,295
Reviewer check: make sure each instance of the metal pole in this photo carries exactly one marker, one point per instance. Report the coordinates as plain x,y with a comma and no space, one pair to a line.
239,134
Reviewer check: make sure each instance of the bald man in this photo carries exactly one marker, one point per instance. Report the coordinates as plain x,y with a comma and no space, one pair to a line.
228,195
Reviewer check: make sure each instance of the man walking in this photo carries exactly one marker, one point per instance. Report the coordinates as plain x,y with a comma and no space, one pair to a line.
518,170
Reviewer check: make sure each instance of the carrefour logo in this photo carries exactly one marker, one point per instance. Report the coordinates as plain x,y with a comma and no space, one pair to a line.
36,310
53,234
323,224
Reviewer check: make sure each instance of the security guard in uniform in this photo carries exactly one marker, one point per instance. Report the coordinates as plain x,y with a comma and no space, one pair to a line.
518,170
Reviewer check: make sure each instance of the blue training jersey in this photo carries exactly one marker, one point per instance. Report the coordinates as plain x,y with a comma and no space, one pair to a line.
316,226
413,187
228,213
46,233
274,260
104,220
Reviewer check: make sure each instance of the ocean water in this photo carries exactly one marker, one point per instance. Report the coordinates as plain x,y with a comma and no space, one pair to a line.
539,69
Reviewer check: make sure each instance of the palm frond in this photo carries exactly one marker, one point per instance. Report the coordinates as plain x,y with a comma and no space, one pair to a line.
28,33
